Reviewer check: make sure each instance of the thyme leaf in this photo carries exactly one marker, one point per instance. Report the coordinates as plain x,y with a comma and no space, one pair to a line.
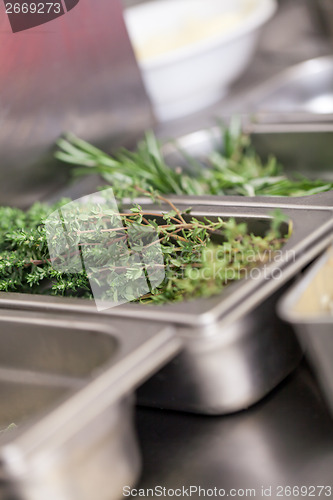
200,256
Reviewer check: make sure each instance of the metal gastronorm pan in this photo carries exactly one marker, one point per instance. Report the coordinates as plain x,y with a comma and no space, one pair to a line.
302,147
67,382
304,308
303,88
234,348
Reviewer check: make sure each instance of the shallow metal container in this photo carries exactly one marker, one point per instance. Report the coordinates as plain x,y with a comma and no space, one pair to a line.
235,349
306,309
303,88
303,148
67,383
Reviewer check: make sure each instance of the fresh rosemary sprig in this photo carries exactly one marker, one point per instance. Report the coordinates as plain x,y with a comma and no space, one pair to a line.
9,428
237,170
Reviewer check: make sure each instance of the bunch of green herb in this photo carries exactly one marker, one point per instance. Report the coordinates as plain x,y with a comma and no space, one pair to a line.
9,428
237,170
200,257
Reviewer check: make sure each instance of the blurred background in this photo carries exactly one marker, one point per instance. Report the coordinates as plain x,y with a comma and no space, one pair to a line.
298,31
80,73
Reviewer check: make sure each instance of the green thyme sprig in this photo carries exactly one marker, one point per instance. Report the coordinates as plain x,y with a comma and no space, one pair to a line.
199,256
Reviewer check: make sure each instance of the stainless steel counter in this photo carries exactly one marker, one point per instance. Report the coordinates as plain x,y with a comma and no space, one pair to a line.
286,440
77,73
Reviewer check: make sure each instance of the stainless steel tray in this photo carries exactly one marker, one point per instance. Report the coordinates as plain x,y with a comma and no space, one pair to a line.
303,307
234,348
67,382
303,88
302,148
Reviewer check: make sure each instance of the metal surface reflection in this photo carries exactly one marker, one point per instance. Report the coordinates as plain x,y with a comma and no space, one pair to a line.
285,440
75,73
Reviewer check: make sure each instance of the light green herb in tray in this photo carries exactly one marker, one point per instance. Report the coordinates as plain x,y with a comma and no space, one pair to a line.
10,427
237,170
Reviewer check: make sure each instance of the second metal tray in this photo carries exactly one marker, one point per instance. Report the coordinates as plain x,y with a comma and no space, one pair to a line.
235,350
67,383
304,307
303,148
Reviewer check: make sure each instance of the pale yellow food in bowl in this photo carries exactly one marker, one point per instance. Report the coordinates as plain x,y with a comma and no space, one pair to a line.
190,31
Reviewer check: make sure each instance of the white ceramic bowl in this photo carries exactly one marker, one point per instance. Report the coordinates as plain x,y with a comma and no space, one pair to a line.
190,51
